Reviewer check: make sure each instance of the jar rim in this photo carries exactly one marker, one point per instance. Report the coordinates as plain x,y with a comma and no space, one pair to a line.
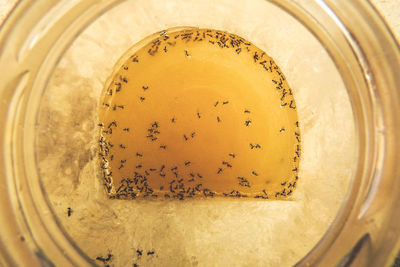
365,52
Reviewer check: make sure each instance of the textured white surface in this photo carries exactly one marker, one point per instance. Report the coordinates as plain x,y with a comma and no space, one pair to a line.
5,7
389,9
190,233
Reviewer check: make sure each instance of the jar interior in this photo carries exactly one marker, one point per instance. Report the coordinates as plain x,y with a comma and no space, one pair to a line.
193,232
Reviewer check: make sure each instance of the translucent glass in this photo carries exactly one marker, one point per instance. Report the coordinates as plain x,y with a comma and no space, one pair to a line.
55,59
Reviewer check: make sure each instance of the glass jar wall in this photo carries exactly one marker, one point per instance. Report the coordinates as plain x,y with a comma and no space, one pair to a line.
341,62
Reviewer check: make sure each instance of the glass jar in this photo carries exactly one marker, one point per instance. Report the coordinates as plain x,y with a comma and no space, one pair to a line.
37,36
